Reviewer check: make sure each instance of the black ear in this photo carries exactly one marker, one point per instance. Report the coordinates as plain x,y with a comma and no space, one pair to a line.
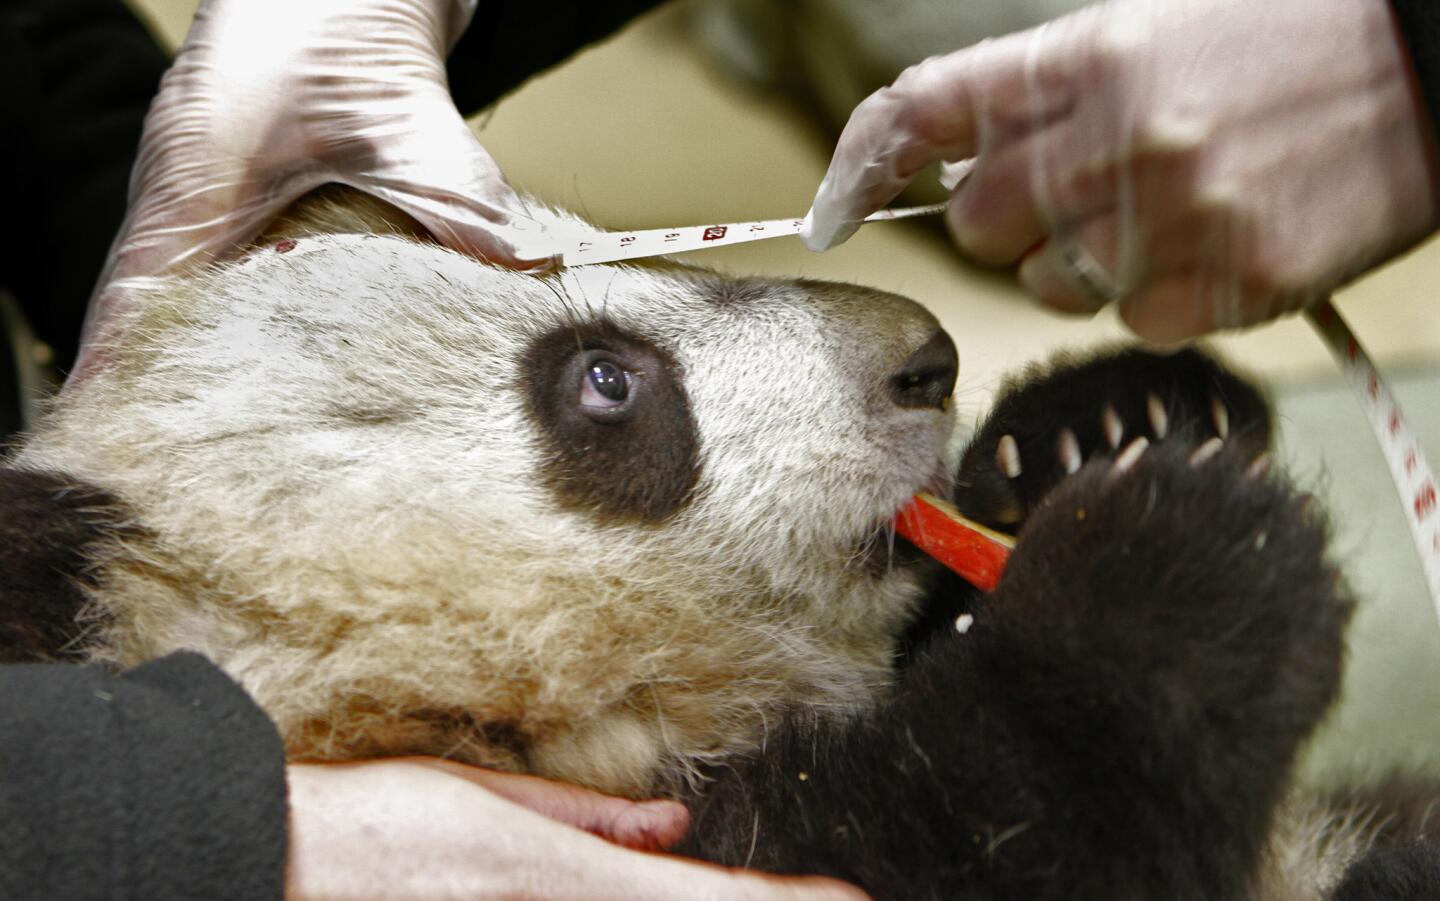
51,528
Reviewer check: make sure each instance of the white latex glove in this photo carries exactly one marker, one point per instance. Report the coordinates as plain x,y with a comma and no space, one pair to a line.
268,99
1207,163
427,828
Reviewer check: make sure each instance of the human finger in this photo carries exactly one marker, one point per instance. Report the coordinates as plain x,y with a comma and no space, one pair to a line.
1067,172
1064,275
425,160
1198,301
1110,256
936,110
643,825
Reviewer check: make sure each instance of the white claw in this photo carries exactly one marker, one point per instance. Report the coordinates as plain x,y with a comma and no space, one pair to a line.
1159,420
1221,417
1114,428
1258,467
1067,447
1007,456
963,622
1130,455
1205,451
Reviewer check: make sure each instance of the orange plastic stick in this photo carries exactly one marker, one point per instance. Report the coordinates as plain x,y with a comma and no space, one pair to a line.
972,551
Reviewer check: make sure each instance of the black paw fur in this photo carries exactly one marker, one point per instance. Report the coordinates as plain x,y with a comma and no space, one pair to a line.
51,528
1044,426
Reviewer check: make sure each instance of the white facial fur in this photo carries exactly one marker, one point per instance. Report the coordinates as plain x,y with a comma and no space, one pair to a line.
343,500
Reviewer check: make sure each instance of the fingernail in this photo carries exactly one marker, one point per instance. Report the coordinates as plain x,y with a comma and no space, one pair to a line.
952,174
651,825
1040,279
822,233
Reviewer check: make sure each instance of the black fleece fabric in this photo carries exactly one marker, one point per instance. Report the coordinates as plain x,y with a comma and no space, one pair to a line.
76,77
1420,24
510,40
165,781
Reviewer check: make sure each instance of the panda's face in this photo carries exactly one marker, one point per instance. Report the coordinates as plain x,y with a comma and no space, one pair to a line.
594,524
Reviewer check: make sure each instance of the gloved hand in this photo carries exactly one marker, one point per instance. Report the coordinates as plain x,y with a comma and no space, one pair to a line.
268,99
1207,164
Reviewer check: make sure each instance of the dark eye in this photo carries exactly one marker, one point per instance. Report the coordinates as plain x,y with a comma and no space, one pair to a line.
604,386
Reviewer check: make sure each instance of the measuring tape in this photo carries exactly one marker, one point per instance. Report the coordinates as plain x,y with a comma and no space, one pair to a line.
1413,478
612,247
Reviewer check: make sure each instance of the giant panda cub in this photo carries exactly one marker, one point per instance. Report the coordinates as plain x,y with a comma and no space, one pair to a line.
630,527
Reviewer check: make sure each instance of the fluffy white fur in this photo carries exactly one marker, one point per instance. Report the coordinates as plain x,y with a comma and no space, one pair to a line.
335,476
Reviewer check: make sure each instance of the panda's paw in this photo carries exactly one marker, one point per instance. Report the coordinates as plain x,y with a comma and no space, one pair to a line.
1194,561
1044,428
1170,630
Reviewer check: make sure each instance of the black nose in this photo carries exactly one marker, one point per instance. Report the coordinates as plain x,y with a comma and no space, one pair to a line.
928,376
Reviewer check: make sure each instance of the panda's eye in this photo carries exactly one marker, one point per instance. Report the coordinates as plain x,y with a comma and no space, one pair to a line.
604,385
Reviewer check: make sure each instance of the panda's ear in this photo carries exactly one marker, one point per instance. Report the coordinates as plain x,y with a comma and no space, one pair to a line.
52,533
338,209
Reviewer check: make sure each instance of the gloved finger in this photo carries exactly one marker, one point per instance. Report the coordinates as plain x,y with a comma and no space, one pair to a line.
1067,172
1065,275
452,186
1110,256
936,111
502,235
1191,303
1180,306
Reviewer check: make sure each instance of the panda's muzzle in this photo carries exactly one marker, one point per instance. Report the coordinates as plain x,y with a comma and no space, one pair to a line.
927,377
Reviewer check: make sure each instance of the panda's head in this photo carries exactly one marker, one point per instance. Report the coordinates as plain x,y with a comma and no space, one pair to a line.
597,525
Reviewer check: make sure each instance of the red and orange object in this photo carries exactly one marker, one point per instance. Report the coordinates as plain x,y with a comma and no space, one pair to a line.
976,553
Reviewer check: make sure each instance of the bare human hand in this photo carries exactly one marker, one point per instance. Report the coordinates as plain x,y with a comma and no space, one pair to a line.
421,827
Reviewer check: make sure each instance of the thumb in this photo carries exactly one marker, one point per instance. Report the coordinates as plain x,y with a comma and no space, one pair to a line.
439,173
642,825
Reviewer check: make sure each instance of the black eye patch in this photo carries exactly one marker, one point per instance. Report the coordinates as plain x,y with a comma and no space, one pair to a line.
639,463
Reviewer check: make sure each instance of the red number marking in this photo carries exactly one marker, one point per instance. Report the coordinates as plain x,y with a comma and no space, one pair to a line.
714,233
1425,501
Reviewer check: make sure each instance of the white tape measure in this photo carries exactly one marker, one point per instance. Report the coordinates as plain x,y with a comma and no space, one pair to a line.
1413,478
611,247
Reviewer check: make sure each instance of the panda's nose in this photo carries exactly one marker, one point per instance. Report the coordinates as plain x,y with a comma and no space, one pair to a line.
927,377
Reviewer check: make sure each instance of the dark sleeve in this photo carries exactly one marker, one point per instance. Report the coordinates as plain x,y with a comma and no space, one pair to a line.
509,40
1420,26
163,782
76,77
